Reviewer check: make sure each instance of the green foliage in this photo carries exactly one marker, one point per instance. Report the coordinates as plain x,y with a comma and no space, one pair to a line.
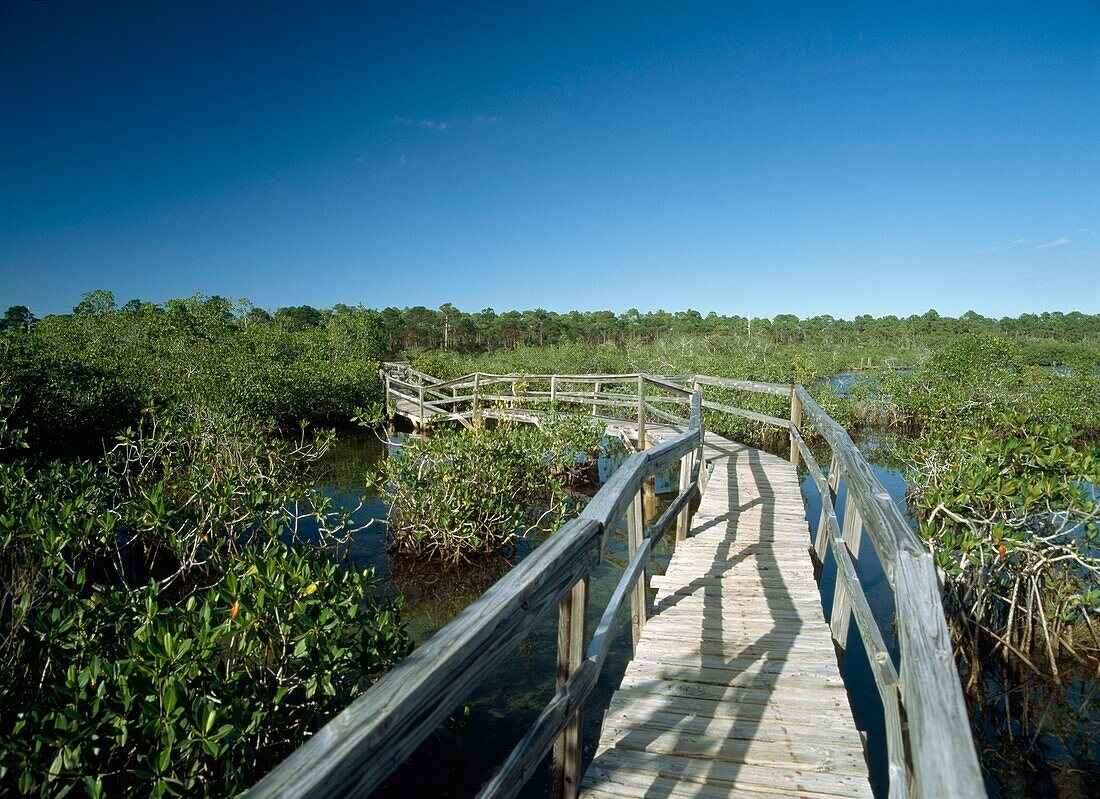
461,494
976,381
160,631
1011,513
84,377
17,319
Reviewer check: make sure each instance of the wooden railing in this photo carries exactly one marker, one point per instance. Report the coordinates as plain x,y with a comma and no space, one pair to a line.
930,749
357,750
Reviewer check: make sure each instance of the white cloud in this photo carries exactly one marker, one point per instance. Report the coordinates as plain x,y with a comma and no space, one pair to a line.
1056,243
430,124
1002,247
486,120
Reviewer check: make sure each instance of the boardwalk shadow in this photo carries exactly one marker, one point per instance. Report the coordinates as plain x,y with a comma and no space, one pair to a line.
718,641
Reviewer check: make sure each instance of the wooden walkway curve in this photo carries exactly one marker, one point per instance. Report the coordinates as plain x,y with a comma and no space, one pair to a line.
734,687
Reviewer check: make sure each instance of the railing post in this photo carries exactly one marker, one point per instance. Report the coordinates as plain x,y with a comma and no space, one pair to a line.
474,411
634,532
553,396
641,413
596,396
821,543
572,633
796,422
842,605
834,473
685,482
697,388
422,423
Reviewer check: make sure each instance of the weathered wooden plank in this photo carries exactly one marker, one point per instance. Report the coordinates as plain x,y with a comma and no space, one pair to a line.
820,706
826,696
753,386
809,755
747,726
754,678
617,764
944,760
361,746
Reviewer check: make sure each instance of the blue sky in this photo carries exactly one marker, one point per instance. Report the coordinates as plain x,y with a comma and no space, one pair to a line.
758,158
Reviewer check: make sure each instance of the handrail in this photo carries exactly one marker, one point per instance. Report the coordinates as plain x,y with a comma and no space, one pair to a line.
930,748
362,745
939,748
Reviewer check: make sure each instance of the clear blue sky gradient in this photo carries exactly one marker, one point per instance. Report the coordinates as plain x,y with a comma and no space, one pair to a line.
758,158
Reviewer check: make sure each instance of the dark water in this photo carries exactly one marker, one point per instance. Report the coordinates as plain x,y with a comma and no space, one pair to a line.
1056,756
464,753
1034,739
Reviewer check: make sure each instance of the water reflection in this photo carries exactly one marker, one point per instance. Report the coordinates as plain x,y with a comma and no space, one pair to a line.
1033,740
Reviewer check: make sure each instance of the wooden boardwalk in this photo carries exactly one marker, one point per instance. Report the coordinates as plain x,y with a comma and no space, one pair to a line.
734,688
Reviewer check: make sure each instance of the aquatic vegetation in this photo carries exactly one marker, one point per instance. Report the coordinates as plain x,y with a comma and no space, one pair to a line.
1011,513
462,494
161,631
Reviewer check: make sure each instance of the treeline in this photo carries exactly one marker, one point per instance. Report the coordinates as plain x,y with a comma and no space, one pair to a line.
449,328
485,331
81,376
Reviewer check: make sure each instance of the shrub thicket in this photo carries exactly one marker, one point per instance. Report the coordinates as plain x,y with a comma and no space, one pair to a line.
161,631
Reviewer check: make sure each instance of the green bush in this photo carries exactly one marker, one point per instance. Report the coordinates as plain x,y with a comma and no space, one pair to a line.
1011,513
462,494
84,376
162,632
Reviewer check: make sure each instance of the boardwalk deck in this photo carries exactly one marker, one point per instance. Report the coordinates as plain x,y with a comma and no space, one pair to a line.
734,688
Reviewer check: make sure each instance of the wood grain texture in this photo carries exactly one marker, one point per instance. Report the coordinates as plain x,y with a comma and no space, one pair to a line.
743,642
735,679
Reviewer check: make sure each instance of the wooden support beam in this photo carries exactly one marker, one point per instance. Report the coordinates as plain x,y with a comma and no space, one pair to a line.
572,633
796,424
842,605
684,519
474,415
635,531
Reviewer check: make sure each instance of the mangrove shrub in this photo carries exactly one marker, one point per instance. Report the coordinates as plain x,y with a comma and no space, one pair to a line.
460,494
161,631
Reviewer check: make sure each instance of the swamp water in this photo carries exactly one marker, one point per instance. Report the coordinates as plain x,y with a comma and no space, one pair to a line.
1052,751
465,752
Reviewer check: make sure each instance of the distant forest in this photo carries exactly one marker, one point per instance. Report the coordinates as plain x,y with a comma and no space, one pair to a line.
448,328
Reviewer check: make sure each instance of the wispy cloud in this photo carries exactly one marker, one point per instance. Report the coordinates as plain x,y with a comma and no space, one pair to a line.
1003,247
402,161
429,124
443,124
1056,243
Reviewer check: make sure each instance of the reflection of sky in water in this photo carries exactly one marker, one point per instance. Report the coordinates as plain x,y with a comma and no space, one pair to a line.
844,382
858,679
